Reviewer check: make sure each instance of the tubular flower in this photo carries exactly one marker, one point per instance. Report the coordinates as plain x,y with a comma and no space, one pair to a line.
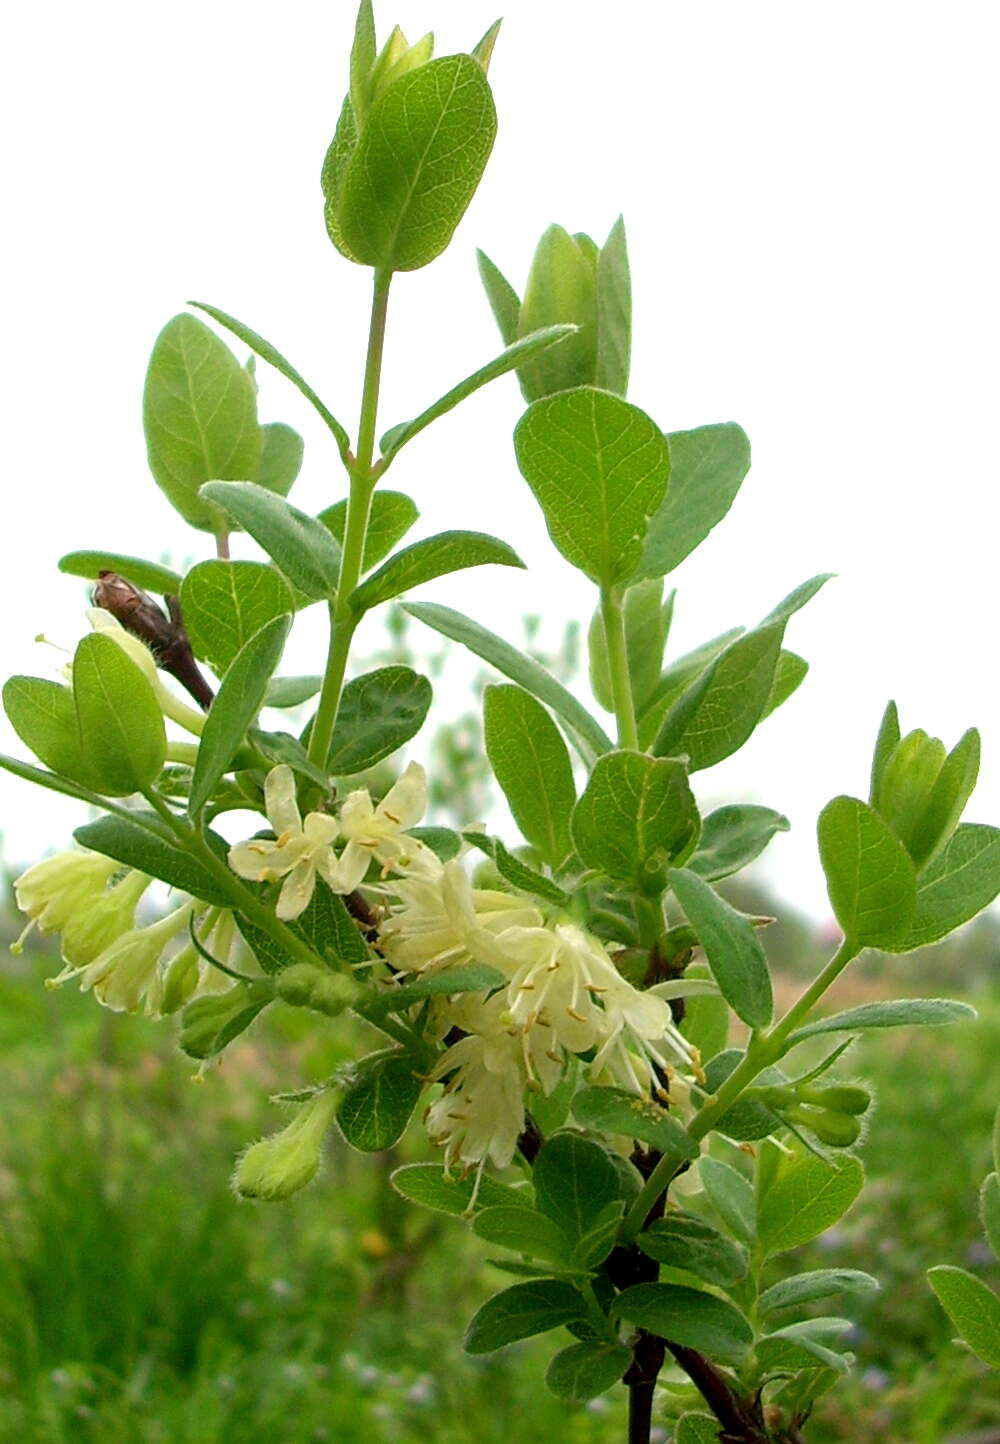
300,851
188,975
480,1115
69,894
380,832
444,922
563,978
126,974
171,706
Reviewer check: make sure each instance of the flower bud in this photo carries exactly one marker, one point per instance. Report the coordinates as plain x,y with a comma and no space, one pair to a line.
838,1130
305,986
920,790
208,1024
180,981
839,1097
574,280
280,1165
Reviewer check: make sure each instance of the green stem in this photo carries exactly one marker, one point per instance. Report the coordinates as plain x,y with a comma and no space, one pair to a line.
613,616
243,900
343,619
763,1050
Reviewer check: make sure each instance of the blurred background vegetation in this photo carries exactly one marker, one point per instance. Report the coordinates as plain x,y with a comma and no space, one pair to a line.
141,1302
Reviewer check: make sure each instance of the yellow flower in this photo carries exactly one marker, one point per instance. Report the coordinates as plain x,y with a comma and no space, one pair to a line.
126,974
380,832
480,1115
300,851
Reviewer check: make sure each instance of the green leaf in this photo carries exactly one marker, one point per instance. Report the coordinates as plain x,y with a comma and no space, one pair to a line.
49,780
516,872
561,287
789,675
582,1371
119,722
432,1187
280,462
418,160
706,1019
329,929
280,747
150,576
636,816
676,678
684,1242
521,1311
962,879
951,791
291,691
209,1024
899,1013
573,1180
513,357
720,709
271,956
612,1110
647,622
239,699
808,1196
363,55
731,945
274,358
696,1429
379,711
199,413
523,1230
731,1196
814,1335
504,301
989,1210
707,467
471,978
528,673
378,1102
598,467
732,837
435,556
818,1284
596,1244
531,763
139,843
973,1309
442,841
299,545
614,312
392,515
688,1317
224,603
869,876
885,745
43,715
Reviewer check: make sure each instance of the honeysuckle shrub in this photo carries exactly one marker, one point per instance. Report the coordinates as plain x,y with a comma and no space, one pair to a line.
574,1015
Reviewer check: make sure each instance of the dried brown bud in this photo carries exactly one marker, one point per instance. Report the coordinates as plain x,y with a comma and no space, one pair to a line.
163,635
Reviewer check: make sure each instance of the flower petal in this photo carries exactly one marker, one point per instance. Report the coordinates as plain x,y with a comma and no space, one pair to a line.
296,890
405,802
279,798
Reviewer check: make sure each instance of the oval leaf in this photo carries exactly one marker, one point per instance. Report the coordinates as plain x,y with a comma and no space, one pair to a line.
598,467
732,837
239,699
224,603
808,1196
898,1013
612,1110
731,945
430,1185
958,883
521,1311
707,469
531,763
523,1230
528,673
682,1241
688,1317
199,413
731,1196
587,1369
299,545
377,1104
818,1284
137,842
573,1179
391,516
973,1309
449,551
119,722
150,576
378,712
869,877
636,816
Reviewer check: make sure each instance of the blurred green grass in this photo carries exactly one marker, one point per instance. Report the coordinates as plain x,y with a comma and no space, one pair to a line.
141,1301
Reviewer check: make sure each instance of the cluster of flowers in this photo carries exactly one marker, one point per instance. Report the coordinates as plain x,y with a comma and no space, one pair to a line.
562,994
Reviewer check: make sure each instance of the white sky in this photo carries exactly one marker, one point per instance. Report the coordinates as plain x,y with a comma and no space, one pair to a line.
809,191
